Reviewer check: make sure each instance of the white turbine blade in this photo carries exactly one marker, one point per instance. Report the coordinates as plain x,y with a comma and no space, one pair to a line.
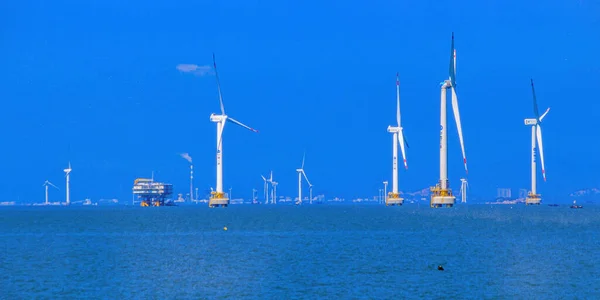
401,141
541,147
457,119
220,139
271,178
263,177
218,86
397,99
241,124
454,63
50,183
303,157
544,114
305,177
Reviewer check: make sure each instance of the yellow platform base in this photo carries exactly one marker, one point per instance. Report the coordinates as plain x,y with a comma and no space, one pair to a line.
393,199
218,199
533,199
148,203
441,197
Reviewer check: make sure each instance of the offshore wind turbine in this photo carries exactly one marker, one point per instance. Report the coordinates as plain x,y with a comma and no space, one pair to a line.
533,198
393,198
441,194
46,184
300,174
218,197
67,175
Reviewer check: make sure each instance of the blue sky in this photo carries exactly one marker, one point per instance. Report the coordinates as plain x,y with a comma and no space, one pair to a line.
96,83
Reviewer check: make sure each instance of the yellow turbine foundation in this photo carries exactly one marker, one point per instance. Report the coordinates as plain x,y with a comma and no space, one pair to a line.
441,197
218,199
393,199
533,199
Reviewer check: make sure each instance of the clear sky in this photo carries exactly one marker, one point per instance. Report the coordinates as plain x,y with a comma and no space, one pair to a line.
96,83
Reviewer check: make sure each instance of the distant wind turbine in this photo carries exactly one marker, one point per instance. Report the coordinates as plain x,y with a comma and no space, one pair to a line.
46,184
300,174
67,175
463,190
274,189
266,189
218,197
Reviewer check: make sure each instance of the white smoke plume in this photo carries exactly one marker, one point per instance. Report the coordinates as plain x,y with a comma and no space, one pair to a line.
187,157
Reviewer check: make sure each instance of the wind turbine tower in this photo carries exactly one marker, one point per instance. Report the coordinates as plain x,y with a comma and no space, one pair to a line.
533,198
441,194
300,174
393,198
463,190
218,197
67,172
46,184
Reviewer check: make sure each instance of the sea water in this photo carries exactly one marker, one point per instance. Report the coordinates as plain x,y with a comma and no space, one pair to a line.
304,252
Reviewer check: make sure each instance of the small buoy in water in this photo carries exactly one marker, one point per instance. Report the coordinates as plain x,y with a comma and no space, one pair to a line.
440,268
225,228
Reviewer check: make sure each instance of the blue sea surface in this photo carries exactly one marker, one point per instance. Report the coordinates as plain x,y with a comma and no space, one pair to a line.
305,252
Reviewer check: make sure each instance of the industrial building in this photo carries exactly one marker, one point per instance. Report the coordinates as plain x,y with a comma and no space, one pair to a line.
151,193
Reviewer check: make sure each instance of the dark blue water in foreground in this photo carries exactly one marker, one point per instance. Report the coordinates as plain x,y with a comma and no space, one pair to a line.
284,252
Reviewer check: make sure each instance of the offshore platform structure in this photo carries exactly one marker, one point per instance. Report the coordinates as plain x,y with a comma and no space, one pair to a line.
150,192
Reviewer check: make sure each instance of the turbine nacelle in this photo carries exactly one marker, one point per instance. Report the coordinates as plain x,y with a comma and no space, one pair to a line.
531,122
393,129
217,118
68,169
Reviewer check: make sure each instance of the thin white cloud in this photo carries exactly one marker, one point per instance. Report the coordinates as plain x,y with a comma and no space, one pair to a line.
194,69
